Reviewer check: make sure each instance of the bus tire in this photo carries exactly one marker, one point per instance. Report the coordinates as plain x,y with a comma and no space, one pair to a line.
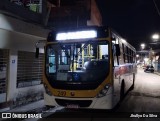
49,107
132,87
122,91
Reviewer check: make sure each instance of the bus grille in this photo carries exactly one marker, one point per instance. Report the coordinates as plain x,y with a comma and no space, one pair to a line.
80,103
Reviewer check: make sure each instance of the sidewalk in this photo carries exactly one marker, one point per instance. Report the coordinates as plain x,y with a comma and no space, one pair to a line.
157,73
30,107
27,107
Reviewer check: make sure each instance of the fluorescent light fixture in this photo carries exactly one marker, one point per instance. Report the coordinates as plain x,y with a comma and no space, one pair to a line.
123,40
76,35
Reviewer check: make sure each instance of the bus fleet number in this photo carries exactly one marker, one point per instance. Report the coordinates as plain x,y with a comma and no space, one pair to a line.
61,93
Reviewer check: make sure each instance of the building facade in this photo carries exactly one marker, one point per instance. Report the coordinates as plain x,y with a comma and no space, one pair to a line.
22,24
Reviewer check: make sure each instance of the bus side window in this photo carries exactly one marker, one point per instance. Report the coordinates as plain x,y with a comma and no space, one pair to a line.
121,59
114,55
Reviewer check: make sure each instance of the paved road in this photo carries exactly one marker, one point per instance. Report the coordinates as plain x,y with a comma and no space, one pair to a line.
146,95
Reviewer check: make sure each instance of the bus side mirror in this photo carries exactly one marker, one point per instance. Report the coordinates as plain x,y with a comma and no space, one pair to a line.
37,52
117,49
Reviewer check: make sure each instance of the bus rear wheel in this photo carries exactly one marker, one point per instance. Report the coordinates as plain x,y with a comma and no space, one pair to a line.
132,87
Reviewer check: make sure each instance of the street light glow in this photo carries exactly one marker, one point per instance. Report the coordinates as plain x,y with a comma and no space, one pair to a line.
155,36
143,45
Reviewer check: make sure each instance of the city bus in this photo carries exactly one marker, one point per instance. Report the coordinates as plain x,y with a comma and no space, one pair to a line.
91,67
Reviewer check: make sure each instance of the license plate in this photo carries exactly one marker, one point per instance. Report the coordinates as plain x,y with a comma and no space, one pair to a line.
72,106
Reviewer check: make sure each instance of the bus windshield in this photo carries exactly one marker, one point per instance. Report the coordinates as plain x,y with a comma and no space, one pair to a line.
77,62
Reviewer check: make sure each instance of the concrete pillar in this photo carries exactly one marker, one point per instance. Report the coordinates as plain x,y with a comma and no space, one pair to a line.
40,6
12,75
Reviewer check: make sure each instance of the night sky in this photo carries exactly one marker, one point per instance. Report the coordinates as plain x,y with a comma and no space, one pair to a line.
134,20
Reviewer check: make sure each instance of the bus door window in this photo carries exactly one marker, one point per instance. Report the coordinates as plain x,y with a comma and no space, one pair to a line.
51,60
64,55
121,59
116,58
114,54
63,58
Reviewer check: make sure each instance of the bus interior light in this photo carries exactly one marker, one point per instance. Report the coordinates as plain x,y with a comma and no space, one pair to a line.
77,35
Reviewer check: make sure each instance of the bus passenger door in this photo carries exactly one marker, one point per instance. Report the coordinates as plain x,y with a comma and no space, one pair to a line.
116,77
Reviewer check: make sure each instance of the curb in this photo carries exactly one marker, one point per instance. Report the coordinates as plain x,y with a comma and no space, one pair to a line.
157,73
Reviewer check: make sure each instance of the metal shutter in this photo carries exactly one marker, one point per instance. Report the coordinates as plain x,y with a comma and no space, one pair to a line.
4,57
29,71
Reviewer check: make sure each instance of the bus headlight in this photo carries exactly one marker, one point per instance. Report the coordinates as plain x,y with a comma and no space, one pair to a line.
47,90
104,91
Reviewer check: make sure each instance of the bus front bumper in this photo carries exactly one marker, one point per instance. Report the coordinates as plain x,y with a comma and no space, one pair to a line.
105,102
